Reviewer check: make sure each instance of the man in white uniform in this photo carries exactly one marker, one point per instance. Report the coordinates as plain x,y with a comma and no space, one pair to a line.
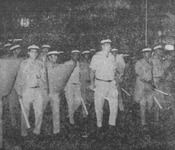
28,86
73,88
103,83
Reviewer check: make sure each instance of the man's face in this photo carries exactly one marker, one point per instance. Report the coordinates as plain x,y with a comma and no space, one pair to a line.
53,58
87,55
7,49
147,54
17,51
75,56
45,50
106,47
114,53
33,53
93,53
159,52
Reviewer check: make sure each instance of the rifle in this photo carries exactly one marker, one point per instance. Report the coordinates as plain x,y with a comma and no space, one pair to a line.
47,77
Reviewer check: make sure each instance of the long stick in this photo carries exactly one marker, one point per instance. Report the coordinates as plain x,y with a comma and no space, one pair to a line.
161,92
146,24
24,113
101,94
126,92
157,102
84,106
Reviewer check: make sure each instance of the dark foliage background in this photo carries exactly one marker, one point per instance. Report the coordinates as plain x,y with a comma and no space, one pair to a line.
81,24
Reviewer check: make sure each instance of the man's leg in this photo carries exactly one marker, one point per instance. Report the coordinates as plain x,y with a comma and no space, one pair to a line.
142,111
1,122
99,102
13,99
55,103
113,105
70,97
23,122
38,110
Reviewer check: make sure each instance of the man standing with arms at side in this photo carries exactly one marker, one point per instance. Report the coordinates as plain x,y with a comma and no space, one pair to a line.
104,86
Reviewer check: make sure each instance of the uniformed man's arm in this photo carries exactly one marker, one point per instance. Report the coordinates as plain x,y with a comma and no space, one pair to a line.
92,76
42,76
19,80
93,65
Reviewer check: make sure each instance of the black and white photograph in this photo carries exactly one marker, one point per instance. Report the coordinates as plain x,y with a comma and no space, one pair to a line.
87,74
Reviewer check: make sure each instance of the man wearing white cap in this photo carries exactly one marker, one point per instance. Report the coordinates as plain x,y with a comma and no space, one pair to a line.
157,74
73,88
168,77
54,72
85,74
12,97
143,89
120,68
104,85
28,86
85,81
44,50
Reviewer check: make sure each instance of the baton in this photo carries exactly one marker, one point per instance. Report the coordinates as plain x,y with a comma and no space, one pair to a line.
157,102
101,94
24,113
161,92
84,106
126,92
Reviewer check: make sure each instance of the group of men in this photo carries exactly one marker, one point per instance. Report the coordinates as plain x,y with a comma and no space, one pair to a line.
39,82
154,82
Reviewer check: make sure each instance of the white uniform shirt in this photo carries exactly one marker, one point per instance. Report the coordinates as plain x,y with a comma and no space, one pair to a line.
75,76
103,66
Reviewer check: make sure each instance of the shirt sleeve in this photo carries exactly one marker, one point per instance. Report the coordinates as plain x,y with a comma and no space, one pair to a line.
19,80
94,62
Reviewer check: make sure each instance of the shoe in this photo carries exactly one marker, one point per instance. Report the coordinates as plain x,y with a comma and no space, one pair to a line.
85,135
57,136
110,135
99,134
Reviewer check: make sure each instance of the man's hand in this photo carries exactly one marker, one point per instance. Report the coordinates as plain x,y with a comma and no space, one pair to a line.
19,97
91,87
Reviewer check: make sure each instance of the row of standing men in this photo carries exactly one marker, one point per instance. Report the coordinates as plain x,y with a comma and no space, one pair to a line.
101,74
38,80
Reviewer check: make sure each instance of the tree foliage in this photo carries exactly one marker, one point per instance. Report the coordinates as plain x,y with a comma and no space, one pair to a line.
82,24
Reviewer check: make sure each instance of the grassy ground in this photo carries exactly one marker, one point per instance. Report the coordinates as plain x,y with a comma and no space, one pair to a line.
129,134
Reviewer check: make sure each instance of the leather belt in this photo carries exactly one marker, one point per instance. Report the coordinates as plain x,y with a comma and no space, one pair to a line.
75,83
88,81
34,87
103,80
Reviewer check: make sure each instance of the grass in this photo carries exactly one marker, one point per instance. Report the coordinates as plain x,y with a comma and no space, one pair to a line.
129,134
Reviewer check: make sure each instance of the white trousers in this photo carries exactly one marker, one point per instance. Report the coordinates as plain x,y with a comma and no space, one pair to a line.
108,90
32,96
73,96
54,99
